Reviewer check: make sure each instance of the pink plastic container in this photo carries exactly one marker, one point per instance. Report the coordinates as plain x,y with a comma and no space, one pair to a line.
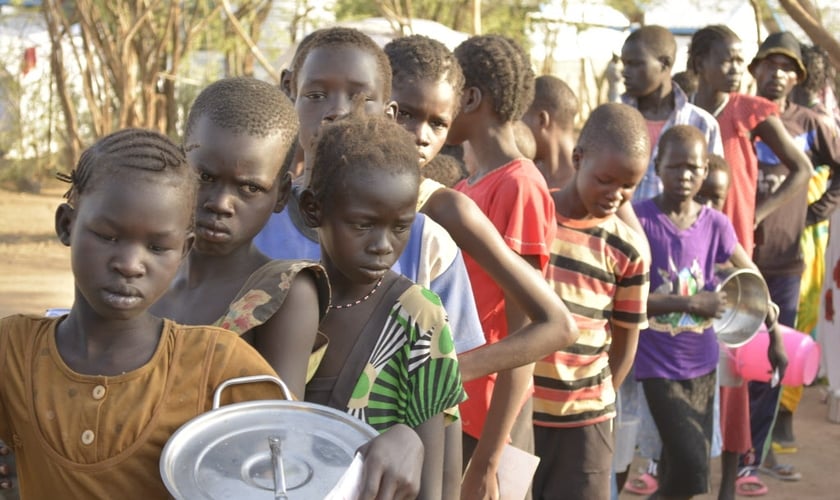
803,354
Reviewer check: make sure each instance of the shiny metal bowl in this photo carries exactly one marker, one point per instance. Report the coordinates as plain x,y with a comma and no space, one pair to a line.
747,298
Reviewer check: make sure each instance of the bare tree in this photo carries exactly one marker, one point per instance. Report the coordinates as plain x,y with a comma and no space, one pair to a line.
803,13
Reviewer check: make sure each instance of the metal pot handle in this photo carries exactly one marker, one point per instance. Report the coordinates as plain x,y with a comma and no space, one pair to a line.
252,379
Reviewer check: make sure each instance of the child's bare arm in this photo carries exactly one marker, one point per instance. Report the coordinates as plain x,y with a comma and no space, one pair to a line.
622,352
774,134
431,433
704,303
550,328
286,339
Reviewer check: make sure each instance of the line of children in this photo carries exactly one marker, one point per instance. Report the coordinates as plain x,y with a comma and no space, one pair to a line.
427,86
89,399
599,267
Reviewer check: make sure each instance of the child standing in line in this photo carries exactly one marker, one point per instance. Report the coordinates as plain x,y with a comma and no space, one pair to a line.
330,68
89,399
509,189
599,268
678,354
551,118
716,56
715,186
648,57
238,133
427,85
391,358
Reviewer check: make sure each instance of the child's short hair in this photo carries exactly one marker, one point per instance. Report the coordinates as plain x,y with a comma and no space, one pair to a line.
687,81
618,128
658,40
445,169
681,134
557,98
501,69
246,106
718,163
131,151
703,39
360,143
343,37
420,58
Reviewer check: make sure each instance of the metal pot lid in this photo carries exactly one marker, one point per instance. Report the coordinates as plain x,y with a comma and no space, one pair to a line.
254,449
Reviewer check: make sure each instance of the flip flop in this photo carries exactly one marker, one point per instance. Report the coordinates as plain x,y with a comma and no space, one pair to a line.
750,486
782,472
644,484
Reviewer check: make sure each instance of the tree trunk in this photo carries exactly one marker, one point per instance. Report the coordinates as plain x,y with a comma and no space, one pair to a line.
818,34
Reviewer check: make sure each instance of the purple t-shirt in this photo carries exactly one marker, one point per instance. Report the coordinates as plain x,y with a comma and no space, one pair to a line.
681,346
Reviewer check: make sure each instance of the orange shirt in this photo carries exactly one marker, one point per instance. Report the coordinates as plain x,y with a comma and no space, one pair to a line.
87,436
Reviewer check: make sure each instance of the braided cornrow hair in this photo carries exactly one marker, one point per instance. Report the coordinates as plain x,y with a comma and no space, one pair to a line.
360,143
702,41
501,69
141,150
419,58
342,37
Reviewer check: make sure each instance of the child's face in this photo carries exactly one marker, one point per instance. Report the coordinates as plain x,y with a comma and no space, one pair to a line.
328,80
365,227
606,179
425,109
775,76
239,186
714,190
127,238
643,73
723,67
682,167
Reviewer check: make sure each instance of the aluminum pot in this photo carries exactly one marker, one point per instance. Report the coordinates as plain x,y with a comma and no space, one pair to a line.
747,298
261,449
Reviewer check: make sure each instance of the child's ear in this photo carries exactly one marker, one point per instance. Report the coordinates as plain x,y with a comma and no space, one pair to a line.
471,99
310,209
577,157
391,109
284,190
65,215
544,119
286,83
188,244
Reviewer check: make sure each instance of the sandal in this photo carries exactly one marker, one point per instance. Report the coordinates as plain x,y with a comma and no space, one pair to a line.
782,472
780,448
750,486
644,484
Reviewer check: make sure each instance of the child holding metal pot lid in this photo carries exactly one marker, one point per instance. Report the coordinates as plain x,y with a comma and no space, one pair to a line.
89,398
391,359
238,136
678,353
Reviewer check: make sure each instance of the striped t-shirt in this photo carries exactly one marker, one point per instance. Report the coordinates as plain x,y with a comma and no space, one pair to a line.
599,267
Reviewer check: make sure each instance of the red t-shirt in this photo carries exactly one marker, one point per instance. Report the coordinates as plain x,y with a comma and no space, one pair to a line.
515,198
737,121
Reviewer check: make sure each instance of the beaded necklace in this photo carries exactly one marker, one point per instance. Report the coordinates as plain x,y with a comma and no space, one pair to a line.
359,301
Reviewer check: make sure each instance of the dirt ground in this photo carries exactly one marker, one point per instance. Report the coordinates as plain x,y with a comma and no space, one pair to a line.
35,275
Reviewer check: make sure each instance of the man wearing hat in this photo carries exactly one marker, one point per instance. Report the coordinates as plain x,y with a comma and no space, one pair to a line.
777,68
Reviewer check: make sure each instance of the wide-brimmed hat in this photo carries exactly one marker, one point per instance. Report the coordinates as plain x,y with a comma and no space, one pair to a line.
783,43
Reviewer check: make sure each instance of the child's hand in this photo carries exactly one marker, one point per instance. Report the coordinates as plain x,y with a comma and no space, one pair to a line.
5,468
772,315
707,304
393,465
480,482
776,351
